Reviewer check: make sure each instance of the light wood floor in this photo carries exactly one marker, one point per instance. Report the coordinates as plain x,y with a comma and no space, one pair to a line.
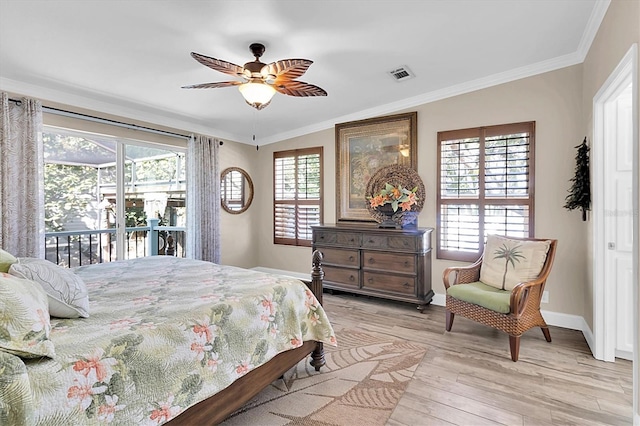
467,376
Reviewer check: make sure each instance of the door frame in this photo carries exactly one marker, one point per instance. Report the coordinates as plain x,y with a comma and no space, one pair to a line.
604,303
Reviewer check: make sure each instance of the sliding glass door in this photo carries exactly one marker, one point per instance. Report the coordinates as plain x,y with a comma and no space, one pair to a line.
109,198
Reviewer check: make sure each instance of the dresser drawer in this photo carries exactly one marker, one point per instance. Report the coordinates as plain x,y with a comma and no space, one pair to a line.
341,239
342,276
324,237
389,283
392,242
341,257
404,263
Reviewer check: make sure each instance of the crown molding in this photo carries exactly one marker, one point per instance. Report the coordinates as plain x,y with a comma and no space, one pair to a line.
591,30
425,98
108,105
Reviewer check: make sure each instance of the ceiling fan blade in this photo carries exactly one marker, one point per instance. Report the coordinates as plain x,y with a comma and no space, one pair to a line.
287,68
218,64
299,88
213,85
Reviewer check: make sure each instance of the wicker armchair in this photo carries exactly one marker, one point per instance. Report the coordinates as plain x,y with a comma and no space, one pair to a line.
524,302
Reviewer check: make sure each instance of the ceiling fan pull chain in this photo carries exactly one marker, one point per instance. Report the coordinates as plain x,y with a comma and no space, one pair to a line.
255,119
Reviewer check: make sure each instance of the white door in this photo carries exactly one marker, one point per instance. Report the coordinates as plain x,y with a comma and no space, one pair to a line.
619,216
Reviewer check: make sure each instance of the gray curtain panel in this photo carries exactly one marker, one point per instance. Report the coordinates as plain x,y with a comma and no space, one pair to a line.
203,199
21,178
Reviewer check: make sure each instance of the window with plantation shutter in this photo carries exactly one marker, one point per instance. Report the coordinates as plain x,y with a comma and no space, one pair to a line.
485,186
233,189
297,189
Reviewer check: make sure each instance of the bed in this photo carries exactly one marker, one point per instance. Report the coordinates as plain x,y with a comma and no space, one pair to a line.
167,341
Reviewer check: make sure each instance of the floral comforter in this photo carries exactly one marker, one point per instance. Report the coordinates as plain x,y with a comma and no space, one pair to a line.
164,333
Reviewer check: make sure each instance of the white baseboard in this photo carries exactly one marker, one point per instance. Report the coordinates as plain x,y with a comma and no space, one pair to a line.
588,335
296,275
439,299
557,319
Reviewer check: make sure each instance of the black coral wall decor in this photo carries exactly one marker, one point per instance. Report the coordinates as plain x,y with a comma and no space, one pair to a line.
580,193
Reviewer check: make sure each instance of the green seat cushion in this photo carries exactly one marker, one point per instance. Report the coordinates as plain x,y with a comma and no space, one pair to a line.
481,294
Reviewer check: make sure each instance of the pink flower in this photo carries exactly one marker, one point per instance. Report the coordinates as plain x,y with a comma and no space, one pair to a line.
310,303
42,322
266,318
269,305
212,363
199,348
122,324
211,297
205,329
107,411
378,200
315,319
144,300
101,368
273,331
83,391
243,368
147,326
296,342
165,411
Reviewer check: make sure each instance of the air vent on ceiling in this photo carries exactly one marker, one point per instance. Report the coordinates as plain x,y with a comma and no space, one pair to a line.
401,73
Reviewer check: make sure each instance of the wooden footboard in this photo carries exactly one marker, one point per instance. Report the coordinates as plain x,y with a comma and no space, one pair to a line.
215,409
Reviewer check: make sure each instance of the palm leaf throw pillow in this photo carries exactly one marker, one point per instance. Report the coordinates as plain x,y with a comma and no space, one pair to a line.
68,295
508,262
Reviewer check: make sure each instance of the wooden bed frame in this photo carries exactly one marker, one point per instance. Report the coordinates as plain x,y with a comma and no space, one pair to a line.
218,407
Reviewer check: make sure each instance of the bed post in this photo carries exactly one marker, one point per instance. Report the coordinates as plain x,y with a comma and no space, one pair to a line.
317,275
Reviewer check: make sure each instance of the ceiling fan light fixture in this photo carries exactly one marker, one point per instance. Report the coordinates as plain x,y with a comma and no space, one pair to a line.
260,81
257,94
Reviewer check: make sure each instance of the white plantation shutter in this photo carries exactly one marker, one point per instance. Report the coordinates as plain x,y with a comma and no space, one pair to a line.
297,195
485,186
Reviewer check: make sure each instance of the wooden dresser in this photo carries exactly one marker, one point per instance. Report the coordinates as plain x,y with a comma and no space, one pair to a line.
387,263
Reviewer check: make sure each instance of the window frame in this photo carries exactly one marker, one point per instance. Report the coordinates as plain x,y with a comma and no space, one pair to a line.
482,200
122,181
295,153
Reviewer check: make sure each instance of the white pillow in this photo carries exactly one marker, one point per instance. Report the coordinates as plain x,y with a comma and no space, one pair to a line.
508,262
68,295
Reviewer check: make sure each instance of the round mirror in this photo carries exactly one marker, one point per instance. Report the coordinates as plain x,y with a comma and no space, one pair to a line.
236,190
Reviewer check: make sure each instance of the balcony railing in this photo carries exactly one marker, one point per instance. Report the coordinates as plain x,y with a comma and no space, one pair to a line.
77,248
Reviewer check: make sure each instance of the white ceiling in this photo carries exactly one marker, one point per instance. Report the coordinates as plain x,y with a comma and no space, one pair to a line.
130,58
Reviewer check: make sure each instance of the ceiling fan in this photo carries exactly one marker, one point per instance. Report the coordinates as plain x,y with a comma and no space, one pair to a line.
260,81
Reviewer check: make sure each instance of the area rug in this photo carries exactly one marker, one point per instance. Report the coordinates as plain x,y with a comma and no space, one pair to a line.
361,384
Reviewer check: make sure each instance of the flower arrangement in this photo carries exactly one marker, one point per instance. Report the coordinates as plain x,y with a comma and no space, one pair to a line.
397,196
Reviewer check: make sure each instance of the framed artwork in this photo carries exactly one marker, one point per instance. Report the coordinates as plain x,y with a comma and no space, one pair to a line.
364,146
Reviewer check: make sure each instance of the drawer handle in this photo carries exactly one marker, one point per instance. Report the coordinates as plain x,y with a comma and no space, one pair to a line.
352,278
322,237
372,260
351,258
406,263
406,284
371,241
352,240
370,280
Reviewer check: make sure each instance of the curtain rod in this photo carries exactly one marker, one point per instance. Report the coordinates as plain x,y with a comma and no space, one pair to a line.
87,117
